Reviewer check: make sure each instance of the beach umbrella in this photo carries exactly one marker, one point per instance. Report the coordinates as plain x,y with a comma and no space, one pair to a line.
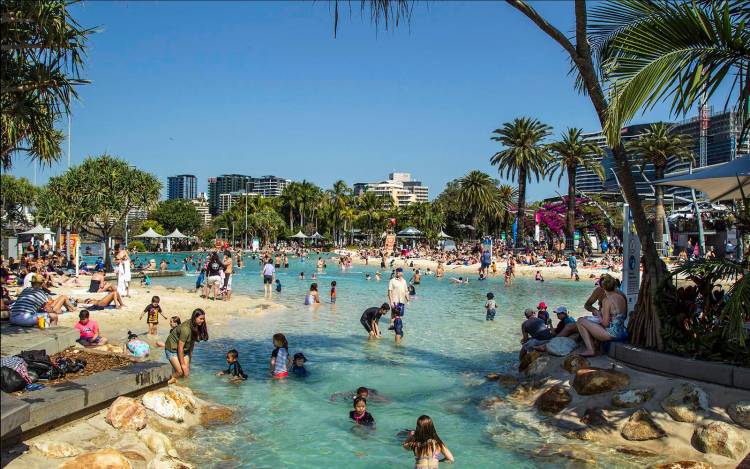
38,230
299,235
718,182
409,232
150,233
176,234
317,236
443,235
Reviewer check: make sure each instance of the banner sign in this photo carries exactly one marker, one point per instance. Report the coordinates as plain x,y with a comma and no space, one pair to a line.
631,260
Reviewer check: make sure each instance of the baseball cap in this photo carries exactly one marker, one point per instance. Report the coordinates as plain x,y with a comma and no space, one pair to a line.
399,269
300,355
541,305
529,312
561,310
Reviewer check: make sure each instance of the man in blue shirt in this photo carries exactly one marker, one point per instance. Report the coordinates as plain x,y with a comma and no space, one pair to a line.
573,264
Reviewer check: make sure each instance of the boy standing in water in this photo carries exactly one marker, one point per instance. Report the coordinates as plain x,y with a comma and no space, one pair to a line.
333,292
398,325
490,306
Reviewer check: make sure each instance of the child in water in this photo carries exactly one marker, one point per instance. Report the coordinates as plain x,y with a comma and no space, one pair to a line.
280,357
234,368
312,297
298,365
426,445
539,277
398,325
508,273
490,306
333,292
278,286
360,414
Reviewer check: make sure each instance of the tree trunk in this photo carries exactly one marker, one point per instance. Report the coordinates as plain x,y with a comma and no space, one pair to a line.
570,222
521,210
291,218
660,214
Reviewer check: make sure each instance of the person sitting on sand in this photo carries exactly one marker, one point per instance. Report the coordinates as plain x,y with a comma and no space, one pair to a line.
611,325
89,330
112,297
98,284
34,303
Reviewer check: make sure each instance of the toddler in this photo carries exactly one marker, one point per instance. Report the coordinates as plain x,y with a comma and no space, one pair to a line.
333,292
490,306
154,311
360,414
234,368
398,325
89,331
278,286
298,365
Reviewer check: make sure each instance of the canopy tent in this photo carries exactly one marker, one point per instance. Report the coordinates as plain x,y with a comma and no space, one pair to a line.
718,182
38,230
299,235
466,227
317,236
443,235
150,233
176,234
409,232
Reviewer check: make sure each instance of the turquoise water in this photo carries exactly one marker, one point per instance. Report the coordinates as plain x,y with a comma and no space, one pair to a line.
438,370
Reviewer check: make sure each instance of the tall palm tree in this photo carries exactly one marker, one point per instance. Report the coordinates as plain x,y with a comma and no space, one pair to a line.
477,195
655,146
524,154
291,199
372,206
505,197
339,195
569,153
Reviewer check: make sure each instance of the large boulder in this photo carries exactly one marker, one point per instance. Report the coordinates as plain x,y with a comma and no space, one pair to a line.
214,414
573,363
553,399
126,413
107,458
685,402
640,427
157,442
719,438
56,449
740,413
537,367
632,397
682,465
171,404
590,381
528,359
165,461
561,346
594,417
503,379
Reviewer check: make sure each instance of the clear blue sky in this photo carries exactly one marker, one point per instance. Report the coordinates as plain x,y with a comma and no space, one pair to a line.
264,88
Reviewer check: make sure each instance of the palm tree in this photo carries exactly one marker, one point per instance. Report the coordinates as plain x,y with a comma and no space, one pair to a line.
524,154
339,195
476,195
570,153
655,146
505,196
291,199
371,205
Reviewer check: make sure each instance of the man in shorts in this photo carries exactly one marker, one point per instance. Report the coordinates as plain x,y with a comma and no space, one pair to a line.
370,318
269,271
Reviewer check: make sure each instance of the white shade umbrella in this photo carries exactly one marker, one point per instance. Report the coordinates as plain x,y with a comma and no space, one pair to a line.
443,234
299,235
150,233
317,236
411,231
38,230
176,234
718,182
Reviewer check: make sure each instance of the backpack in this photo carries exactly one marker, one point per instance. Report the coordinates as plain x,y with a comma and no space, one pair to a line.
10,380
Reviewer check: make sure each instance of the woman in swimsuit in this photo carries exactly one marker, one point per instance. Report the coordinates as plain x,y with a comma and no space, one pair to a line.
612,313
113,296
426,445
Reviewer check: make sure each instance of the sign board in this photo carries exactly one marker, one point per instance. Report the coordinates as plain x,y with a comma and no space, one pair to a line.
390,242
631,260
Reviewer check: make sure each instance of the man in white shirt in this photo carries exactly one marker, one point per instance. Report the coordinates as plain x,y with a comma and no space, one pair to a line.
398,292
269,272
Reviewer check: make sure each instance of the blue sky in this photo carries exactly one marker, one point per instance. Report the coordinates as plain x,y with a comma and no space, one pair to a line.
264,88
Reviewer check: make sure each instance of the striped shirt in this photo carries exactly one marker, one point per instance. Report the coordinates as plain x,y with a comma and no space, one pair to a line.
29,302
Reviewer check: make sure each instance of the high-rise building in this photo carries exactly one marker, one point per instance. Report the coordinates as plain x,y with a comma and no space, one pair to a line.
269,186
399,188
201,206
225,184
183,186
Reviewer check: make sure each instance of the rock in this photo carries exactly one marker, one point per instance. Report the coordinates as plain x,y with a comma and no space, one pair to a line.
682,465
740,413
575,453
214,414
164,461
719,438
157,442
590,381
107,458
537,367
586,435
126,413
528,359
170,404
490,402
502,379
594,417
56,449
640,427
553,400
684,402
134,456
573,363
521,393
561,346
635,451
632,397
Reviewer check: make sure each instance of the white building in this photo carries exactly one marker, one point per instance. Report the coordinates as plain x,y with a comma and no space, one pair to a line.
227,200
201,206
399,188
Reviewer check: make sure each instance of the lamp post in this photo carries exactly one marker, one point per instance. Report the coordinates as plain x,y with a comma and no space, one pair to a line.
246,215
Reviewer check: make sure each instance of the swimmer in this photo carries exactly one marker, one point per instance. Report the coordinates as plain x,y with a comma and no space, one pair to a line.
459,280
539,277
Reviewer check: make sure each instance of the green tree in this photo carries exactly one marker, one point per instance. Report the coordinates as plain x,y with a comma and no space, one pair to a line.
371,206
42,54
569,153
154,225
177,214
476,195
340,196
655,146
97,195
268,223
505,197
291,200
525,155
17,195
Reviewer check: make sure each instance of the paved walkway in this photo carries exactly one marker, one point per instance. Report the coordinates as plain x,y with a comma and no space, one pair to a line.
15,339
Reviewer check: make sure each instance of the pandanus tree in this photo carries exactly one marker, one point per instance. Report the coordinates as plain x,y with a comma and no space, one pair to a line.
569,153
524,155
655,147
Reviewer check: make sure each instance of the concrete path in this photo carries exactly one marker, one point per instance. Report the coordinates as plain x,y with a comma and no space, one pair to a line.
16,339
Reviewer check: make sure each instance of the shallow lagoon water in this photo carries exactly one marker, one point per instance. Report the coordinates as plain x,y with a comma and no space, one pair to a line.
438,370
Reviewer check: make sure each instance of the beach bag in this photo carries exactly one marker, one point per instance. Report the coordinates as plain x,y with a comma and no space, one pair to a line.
10,380
18,365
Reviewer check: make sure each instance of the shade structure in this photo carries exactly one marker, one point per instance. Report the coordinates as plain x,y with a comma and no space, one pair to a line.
299,235
176,234
443,235
38,230
317,235
150,233
466,227
409,232
718,182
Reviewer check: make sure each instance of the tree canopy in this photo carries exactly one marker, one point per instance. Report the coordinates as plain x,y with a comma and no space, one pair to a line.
177,214
17,194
